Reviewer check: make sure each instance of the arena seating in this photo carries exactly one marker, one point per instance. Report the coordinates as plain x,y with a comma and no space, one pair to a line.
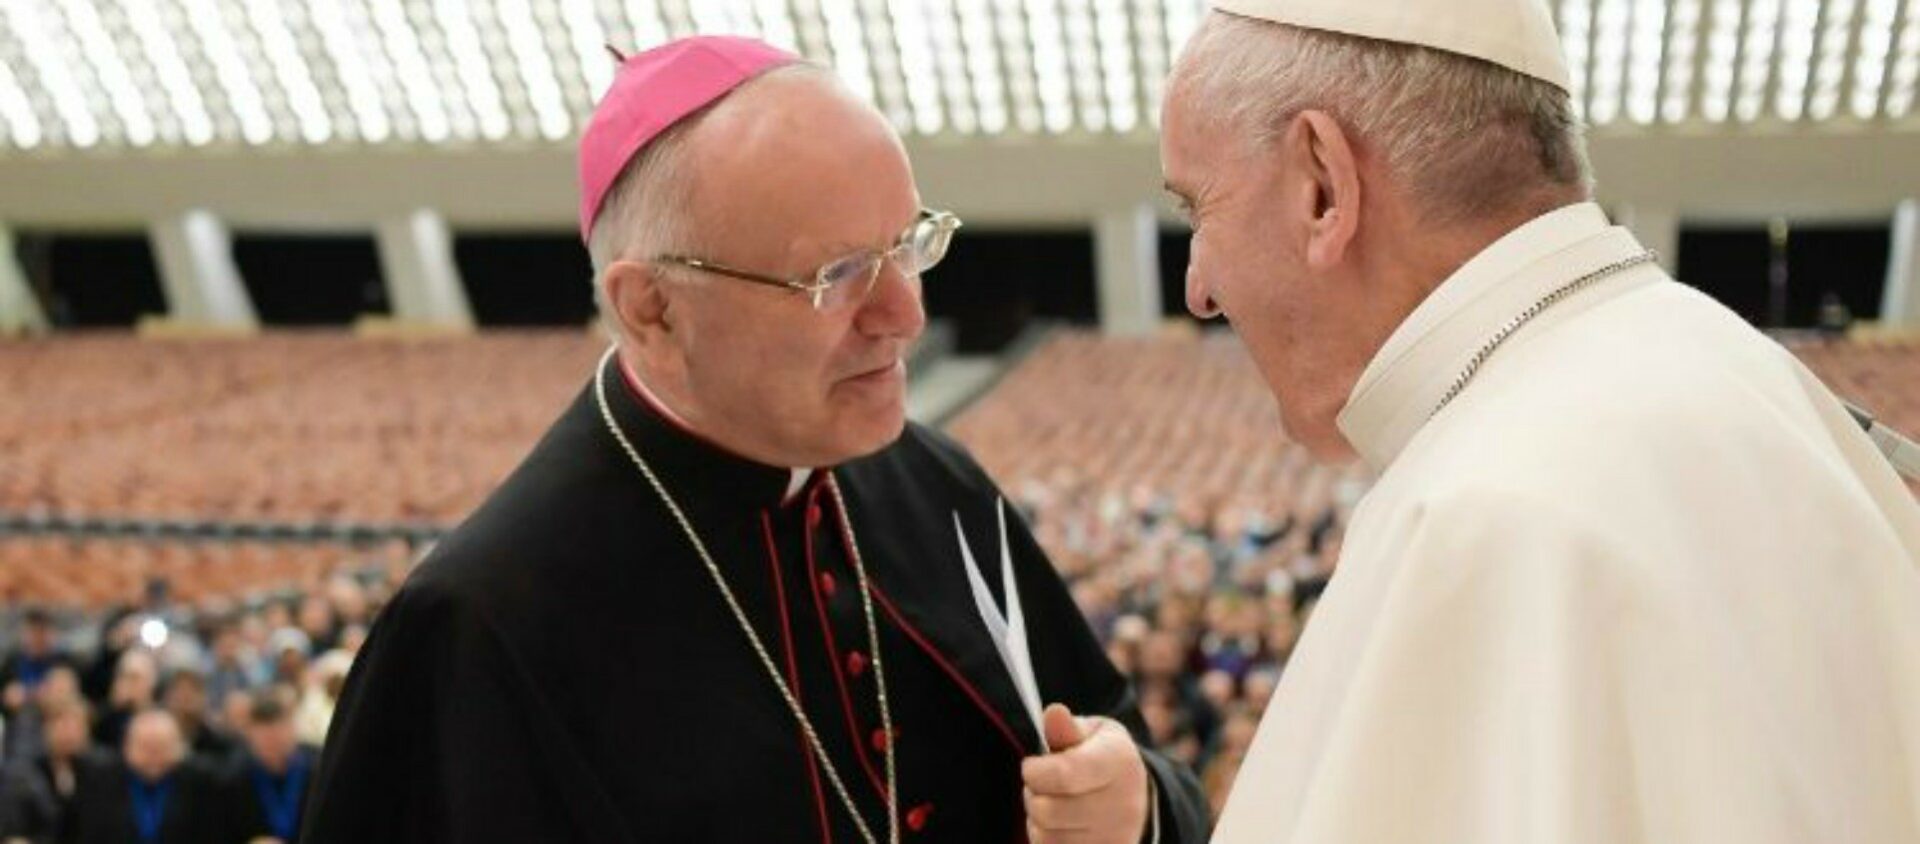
284,427
92,573
332,428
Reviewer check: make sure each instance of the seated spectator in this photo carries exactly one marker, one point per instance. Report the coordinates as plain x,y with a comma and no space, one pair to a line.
186,698
1163,673
23,669
1257,689
27,809
321,692
234,708
1218,689
350,601
135,680
153,795
68,760
21,674
1169,726
290,649
26,732
233,666
265,790
318,621
352,637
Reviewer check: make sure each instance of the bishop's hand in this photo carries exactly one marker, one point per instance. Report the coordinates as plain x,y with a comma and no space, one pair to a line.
1092,789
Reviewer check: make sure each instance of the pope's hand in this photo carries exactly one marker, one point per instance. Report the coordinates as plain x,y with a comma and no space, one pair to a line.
1092,789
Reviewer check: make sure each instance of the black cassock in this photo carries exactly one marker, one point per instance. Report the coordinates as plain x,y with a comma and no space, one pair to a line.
562,667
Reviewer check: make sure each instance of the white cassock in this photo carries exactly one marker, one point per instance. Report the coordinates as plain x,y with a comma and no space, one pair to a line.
1644,580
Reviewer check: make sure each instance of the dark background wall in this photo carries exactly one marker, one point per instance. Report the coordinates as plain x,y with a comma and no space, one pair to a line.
994,283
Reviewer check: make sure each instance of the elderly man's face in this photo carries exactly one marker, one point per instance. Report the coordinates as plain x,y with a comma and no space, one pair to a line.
154,745
1243,266
790,175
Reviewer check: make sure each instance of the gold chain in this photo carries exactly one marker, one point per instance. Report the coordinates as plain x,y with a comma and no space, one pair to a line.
766,660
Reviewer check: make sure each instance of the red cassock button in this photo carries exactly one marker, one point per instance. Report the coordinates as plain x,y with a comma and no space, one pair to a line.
856,663
880,740
918,815
813,515
827,586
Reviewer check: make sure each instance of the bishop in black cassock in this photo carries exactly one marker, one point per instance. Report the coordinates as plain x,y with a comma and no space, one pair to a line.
561,668
591,657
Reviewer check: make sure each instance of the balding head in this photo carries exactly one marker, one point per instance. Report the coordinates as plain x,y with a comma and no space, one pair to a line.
646,211
154,746
787,174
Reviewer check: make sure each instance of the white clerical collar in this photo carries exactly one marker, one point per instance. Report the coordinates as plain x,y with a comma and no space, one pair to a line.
798,477
1413,370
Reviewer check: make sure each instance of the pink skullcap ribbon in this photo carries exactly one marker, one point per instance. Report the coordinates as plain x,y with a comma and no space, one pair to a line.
654,90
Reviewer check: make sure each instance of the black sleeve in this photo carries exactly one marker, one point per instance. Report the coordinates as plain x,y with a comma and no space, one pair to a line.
433,739
1073,669
30,811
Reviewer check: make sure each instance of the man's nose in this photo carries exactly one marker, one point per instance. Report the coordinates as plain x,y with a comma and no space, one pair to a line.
894,308
1199,302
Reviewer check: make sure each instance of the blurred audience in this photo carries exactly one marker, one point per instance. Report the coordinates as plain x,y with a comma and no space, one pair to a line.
265,787
183,688
155,792
1191,533
186,699
208,744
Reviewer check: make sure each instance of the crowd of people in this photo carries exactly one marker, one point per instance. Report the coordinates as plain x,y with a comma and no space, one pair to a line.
99,572
185,686
1193,535
172,721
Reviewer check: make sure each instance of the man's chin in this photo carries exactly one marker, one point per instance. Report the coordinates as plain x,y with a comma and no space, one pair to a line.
888,427
872,433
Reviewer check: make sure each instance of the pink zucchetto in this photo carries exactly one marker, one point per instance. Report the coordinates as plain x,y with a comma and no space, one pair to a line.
654,90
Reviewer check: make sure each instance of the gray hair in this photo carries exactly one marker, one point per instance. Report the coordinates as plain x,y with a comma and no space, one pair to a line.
1470,138
646,211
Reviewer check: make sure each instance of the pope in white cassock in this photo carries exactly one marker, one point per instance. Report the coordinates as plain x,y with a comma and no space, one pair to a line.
1630,573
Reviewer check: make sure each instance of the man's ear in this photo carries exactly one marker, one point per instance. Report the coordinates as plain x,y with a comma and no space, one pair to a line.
636,300
1326,191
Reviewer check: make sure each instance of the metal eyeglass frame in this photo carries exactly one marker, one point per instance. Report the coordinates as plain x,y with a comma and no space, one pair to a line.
944,225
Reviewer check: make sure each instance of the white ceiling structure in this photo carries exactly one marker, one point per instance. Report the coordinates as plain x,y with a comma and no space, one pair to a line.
334,100
134,74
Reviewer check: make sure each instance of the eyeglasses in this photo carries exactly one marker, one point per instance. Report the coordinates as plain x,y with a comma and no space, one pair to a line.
849,280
